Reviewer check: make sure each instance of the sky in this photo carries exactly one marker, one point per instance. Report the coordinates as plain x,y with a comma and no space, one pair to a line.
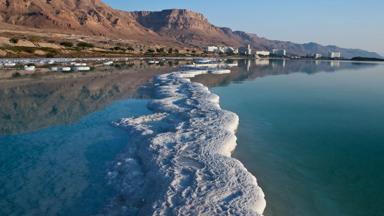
345,23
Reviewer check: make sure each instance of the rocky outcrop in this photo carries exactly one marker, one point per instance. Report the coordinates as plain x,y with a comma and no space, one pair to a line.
170,27
185,26
91,17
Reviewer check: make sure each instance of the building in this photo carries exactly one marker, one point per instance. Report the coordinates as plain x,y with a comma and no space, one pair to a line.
263,53
334,55
211,49
317,56
221,49
279,52
245,50
230,50
227,50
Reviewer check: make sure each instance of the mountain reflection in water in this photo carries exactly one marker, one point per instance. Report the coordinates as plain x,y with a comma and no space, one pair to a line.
257,68
31,104
60,170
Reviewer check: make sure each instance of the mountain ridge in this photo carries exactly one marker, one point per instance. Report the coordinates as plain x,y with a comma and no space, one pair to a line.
171,26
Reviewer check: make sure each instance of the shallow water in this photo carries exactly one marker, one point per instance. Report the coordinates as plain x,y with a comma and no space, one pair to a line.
315,142
61,170
57,141
311,132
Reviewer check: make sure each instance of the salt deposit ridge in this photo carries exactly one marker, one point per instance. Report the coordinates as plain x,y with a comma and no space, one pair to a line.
181,161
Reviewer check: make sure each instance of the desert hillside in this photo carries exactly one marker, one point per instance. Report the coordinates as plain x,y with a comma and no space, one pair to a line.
55,21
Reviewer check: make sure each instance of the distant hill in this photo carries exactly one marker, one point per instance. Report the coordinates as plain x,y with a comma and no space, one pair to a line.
179,27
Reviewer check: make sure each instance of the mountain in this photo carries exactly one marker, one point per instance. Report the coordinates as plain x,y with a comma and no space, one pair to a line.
185,26
175,26
89,17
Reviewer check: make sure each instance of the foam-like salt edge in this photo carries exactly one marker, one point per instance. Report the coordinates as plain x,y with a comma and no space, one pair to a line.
185,150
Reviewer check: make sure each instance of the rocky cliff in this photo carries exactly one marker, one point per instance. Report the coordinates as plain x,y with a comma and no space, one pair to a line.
185,27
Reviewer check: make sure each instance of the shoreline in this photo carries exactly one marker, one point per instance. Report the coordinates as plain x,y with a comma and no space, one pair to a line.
64,59
189,139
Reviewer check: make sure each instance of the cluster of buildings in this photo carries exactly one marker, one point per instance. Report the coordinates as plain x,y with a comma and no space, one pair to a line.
221,50
247,51
335,55
332,55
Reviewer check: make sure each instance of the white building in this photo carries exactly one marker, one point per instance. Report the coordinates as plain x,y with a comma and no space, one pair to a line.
317,56
245,50
334,55
211,49
279,52
263,53
226,50
221,49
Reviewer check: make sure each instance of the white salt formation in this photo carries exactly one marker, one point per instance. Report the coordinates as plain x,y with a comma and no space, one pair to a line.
183,151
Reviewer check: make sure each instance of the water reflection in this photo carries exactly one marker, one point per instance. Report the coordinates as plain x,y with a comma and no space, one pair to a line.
252,69
47,168
314,139
45,98
30,103
60,170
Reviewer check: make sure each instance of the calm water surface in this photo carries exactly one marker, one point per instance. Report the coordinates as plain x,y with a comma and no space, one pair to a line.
315,142
57,141
61,170
311,132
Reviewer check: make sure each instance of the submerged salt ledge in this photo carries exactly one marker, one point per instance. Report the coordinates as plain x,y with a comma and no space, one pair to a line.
185,153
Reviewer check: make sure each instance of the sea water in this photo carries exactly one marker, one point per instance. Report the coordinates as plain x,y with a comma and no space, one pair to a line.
62,170
310,132
313,139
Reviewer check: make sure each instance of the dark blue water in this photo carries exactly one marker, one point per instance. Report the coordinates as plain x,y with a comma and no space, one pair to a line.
314,142
61,170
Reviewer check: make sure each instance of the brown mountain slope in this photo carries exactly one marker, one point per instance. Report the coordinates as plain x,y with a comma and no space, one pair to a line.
91,17
167,27
194,29
185,26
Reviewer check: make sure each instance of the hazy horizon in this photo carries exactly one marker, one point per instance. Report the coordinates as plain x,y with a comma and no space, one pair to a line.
348,24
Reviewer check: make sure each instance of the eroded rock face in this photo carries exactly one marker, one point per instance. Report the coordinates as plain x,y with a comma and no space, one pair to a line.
83,16
185,26
172,20
168,27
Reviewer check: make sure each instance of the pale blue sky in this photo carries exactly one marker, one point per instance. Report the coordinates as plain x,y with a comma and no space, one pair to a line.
346,23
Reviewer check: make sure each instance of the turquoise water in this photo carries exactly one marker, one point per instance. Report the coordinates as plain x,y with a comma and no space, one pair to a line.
61,170
315,142
311,132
